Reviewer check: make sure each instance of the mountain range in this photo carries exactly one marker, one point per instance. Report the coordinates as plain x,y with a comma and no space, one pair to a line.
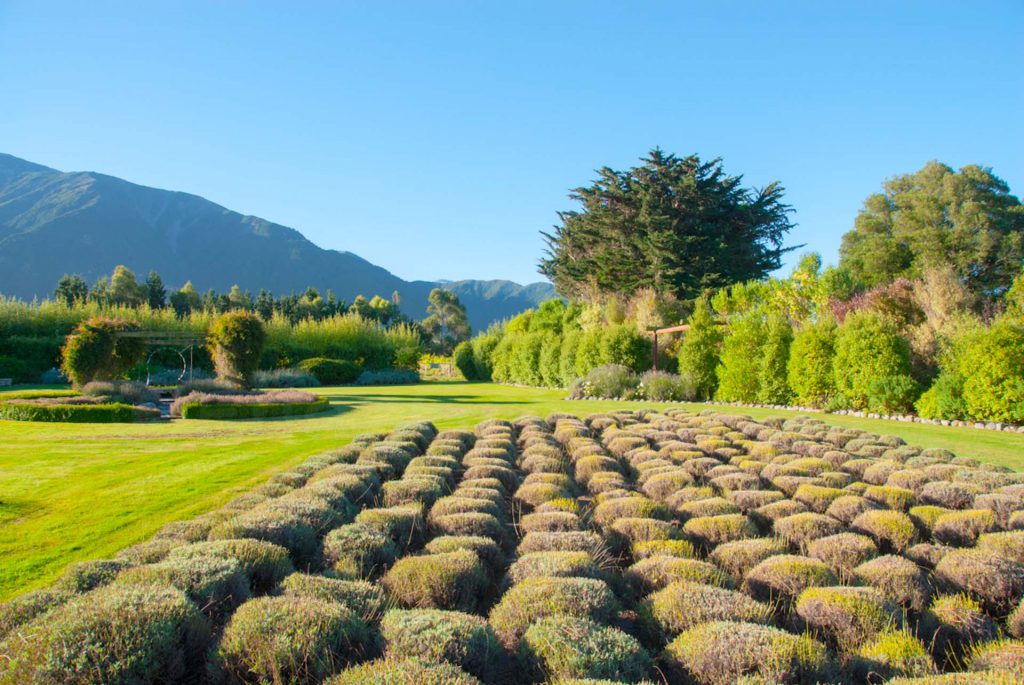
53,223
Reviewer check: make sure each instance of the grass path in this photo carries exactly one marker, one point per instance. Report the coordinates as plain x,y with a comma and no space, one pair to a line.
70,492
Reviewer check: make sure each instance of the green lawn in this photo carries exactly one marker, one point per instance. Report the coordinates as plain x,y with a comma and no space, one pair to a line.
70,492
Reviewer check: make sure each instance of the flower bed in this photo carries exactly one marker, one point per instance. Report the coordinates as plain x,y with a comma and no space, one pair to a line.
263,405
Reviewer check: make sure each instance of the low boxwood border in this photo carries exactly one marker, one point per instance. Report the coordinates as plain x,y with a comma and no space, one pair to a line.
75,413
196,410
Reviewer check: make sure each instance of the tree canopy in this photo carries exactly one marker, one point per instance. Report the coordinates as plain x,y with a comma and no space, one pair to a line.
446,324
937,217
677,225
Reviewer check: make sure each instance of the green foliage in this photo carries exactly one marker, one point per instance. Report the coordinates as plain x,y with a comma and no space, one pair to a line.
220,411
562,647
289,640
451,580
235,341
674,225
26,410
944,400
739,365
718,653
465,361
624,344
402,672
432,635
867,348
95,351
992,364
936,217
550,361
698,355
613,381
393,377
810,368
772,385
446,323
119,634
331,371
892,394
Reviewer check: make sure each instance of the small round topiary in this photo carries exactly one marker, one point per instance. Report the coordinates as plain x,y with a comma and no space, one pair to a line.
893,653
632,507
890,497
709,506
670,548
948,495
559,647
402,672
431,635
817,498
553,564
115,634
1005,656
785,576
364,599
550,521
849,507
683,604
403,524
710,531
486,548
279,527
18,611
451,580
843,552
962,528
358,551
952,624
573,541
749,500
534,598
89,575
767,515
848,615
721,652
656,572
997,582
899,579
891,530
216,585
263,563
290,639
736,558
799,530
470,523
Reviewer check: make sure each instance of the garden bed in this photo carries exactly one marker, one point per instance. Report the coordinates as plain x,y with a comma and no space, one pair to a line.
66,411
258,405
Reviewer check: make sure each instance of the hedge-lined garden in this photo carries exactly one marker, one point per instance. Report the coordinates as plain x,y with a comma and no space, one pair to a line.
908,347
628,547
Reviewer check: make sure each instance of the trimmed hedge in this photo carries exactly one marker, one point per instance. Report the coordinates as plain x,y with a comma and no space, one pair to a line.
331,371
216,412
75,413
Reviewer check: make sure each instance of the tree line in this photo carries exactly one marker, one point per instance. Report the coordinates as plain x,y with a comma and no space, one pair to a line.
445,325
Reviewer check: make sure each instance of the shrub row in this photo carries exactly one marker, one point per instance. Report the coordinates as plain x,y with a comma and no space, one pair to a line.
27,410
707,549
197,410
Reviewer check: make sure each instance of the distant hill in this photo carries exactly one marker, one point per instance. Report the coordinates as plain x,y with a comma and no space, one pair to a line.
52,223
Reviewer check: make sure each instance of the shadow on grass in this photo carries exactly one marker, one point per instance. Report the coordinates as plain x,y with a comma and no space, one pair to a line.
417,399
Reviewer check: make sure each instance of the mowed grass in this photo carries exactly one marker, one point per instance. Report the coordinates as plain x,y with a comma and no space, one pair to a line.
71,492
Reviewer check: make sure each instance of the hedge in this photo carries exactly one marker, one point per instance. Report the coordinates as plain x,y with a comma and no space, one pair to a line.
252,411
75,413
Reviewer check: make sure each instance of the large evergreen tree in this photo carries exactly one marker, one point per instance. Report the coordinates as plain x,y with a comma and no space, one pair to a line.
156,293
934,218
678,225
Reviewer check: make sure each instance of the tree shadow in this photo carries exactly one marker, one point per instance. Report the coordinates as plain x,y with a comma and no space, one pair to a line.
389,398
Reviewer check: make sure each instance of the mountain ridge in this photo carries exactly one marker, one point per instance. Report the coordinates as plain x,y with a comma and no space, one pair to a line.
87,222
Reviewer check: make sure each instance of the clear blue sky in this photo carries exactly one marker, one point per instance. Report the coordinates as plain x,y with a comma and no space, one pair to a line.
438,139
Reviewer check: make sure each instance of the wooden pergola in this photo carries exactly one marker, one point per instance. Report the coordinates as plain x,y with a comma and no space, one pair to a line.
179,341
655,332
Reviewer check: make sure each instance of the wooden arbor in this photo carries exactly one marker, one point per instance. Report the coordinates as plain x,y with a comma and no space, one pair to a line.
180,342
655,332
